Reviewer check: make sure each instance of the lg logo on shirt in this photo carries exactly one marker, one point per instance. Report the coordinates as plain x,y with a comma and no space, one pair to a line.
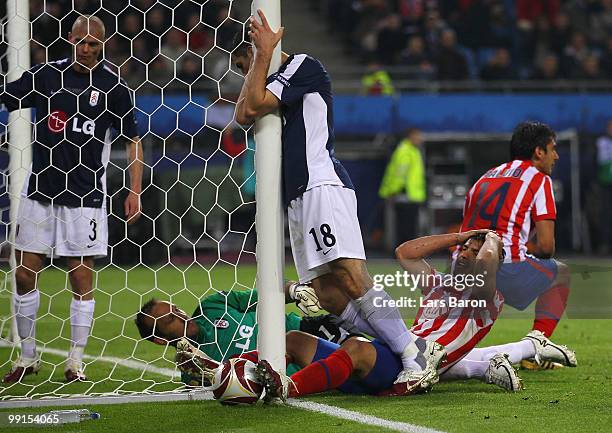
57,123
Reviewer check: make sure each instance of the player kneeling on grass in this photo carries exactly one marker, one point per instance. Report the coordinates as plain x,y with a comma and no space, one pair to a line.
224,325
370,367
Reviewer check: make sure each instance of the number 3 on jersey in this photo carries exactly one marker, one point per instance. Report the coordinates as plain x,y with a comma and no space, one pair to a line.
328,238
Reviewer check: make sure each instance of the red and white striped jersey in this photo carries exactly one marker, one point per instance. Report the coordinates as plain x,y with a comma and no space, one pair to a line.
446,317
509,199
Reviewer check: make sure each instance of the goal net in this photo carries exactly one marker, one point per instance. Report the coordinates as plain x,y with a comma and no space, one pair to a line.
196,235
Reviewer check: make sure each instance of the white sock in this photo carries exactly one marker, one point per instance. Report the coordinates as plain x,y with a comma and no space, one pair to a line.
466,369
352,320
516,351
81,316
388,324
26,307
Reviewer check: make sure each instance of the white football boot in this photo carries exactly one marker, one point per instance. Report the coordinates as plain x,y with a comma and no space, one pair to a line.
503,374
546,350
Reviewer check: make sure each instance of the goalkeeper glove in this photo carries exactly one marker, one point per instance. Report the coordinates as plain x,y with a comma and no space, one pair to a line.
305,298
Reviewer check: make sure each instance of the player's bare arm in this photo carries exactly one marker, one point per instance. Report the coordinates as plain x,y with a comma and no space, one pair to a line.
255,100
411,254
487,263
135,168
545,242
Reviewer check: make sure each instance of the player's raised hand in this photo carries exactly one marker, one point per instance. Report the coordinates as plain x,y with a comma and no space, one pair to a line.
262,35
132,207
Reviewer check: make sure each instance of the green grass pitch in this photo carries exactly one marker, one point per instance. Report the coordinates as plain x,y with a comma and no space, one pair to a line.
567,400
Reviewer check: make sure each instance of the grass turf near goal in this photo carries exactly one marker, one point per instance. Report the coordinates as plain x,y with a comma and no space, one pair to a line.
565,400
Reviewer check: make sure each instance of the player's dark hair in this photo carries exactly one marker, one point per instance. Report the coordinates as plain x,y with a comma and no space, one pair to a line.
528,136
482,237
478,237
145,328
240,43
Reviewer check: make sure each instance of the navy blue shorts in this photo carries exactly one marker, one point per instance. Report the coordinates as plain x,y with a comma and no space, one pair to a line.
388,366
522,282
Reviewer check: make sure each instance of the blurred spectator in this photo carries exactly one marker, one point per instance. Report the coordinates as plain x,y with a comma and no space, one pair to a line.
499,67
390,40
450,62
132,25
174,44
579,11
404,182
370,14
548,68
575,54
414,55
190,68
560,33
590,69
432,29
604,177
601,23
377,81
156,21
199,38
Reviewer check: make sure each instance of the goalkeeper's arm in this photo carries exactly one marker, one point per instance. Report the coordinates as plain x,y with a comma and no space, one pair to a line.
246,300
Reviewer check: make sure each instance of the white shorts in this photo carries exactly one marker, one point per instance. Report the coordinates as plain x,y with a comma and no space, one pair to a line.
61,231
323,227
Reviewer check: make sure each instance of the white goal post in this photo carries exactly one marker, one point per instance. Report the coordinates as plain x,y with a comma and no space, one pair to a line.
270,218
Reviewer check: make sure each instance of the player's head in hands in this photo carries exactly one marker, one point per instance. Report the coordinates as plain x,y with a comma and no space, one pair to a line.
164,323
466,259
467,255
87,38
535,141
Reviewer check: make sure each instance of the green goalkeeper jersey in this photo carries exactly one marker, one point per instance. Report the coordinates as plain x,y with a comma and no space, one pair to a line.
227,323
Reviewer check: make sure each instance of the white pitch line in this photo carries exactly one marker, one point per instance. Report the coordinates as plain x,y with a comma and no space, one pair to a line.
360,417
325,409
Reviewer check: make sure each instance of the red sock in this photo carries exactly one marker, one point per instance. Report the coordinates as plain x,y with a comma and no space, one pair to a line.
549,309
322,375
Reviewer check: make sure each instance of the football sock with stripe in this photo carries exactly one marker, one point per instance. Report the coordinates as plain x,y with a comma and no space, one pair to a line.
549,309
322,375
26,307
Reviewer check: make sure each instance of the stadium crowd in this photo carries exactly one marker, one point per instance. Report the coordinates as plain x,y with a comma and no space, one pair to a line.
486,39
427,39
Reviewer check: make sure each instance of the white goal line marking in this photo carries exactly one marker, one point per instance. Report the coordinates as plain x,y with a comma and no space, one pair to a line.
325,409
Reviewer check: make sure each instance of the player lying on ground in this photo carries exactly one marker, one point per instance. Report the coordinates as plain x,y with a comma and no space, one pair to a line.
370,367
516,199
224,324
456,330
318,193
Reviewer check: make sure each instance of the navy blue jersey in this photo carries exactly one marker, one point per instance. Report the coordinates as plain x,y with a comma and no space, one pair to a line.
75,115
303,87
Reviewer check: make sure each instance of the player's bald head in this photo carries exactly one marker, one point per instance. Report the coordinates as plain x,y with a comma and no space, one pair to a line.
87,37
89,25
